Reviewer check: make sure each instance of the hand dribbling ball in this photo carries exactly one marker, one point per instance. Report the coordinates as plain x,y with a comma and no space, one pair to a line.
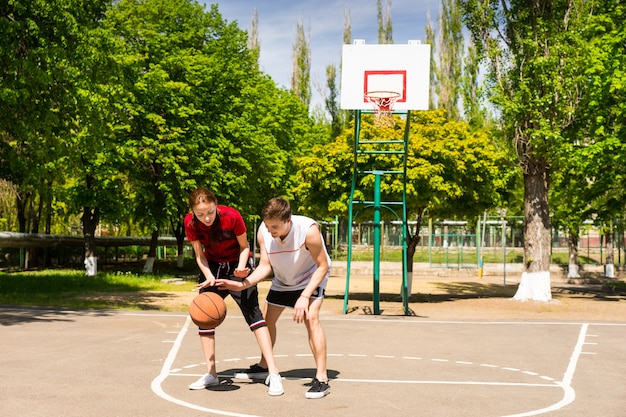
207,310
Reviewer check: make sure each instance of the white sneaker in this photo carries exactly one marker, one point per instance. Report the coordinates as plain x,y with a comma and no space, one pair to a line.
205,380
275,383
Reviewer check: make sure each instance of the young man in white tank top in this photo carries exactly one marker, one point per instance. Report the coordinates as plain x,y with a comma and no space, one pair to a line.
293,248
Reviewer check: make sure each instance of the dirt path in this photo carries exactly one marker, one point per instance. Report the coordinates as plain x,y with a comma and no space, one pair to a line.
447,298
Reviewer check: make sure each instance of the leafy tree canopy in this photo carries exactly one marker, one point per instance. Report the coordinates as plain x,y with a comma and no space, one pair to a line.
452,171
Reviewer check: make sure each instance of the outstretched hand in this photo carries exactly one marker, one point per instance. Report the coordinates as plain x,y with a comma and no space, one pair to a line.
206,283
229,284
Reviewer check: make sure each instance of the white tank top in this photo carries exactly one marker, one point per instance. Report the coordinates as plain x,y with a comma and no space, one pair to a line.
291,261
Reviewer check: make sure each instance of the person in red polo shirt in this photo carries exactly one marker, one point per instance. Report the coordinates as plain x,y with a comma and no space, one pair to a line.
218,237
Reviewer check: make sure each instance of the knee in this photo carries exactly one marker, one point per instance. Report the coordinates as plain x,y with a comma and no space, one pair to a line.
313,321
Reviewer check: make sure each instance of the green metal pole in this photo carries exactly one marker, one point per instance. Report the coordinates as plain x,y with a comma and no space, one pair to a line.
446,243
504,249
377,242
459,245
336,236
357,129
479,258
406,293
430,241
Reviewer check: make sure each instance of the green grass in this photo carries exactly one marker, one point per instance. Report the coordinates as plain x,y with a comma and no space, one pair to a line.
436,256
73,289
466,256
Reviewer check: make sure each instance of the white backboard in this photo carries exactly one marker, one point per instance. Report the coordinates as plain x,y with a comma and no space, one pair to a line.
404,69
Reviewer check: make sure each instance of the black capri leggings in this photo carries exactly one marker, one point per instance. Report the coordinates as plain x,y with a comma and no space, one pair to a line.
247,300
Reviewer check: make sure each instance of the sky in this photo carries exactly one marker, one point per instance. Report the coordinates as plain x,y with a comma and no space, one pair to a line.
324,23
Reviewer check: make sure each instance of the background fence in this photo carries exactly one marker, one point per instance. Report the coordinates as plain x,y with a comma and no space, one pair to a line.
460,244
449,244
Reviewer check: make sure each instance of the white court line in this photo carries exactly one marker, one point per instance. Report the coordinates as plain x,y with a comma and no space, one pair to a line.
416,320
165,371
404,381
566,382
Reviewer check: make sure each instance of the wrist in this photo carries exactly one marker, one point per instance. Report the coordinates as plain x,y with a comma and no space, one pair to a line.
305,296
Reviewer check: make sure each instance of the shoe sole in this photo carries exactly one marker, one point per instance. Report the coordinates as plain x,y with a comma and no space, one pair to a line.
241,375
316,395
203,387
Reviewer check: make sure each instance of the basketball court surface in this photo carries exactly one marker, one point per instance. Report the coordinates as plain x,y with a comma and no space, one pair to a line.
126,363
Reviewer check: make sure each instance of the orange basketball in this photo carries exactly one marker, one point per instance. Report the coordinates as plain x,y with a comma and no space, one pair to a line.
207,310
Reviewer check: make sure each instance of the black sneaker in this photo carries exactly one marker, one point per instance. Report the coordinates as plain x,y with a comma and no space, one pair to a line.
253,372
318,389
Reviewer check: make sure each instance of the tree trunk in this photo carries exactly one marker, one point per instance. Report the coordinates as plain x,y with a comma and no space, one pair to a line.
412,242
20,204
609,267
90,220
21,201
535,281
572,242
179,232
180,259
48,223
35,215
148,267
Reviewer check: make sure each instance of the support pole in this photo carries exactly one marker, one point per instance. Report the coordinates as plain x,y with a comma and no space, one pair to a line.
504,249
357,129
377,175
379,147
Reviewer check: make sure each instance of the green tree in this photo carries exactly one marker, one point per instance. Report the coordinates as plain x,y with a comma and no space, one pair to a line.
472,91
432,41
30,93
385,26
161,38
301,68
448,71
254,44
46,67
588,172
455,69
569,197
95,186
192,81
347,25
452,171
534,53
332,102
203,114
601,141
455,171
346,115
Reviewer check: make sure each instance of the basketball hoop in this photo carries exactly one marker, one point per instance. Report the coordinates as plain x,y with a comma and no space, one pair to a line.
383,102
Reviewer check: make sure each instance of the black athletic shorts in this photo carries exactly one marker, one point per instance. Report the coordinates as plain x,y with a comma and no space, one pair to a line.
247,300
289,298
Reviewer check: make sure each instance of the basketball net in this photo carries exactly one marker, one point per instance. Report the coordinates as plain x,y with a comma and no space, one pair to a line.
383,102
